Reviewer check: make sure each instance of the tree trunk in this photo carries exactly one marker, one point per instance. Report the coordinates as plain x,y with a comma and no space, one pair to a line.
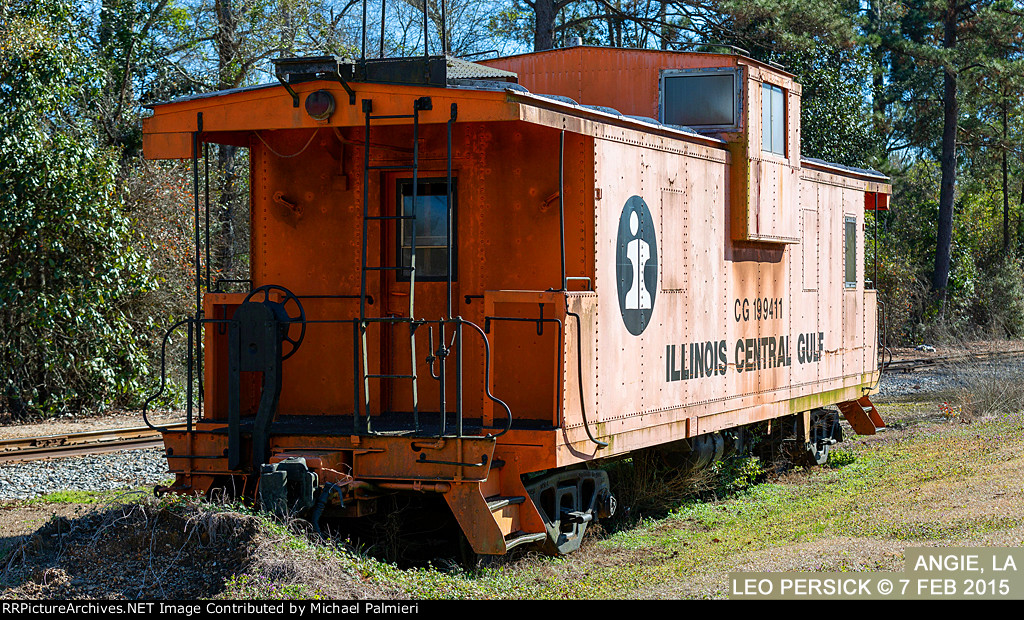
287,29
951,114
878,102
544,25
225,210
227,49
1019,225
1006,185
666,31
227,43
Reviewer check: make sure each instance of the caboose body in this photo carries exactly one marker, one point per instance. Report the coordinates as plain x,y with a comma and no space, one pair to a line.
457,282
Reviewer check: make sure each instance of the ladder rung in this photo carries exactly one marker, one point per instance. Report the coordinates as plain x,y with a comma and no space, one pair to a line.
389,268
391,217
403,167
389,376
386,319
375,117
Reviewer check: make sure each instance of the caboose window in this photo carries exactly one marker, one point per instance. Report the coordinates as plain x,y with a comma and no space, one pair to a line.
431,228
850,242
700,99
773,120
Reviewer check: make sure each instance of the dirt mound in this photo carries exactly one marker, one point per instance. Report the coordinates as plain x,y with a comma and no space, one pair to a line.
175,550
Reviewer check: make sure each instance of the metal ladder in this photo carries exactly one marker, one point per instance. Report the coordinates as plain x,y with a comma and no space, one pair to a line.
422,103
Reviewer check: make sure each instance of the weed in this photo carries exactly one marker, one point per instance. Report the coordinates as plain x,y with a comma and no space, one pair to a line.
840,458
260,587
983,387
73,497
739,474
645,485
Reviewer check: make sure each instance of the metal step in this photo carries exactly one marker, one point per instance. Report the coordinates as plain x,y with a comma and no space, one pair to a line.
497,502
521,538
862,416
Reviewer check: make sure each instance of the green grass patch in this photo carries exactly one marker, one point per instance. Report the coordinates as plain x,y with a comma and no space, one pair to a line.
75,497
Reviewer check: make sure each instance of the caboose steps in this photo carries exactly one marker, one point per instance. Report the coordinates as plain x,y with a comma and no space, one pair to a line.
523,538
497,502
862,416
494,524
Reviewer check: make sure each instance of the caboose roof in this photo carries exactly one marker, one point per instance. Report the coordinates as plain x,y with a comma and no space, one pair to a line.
626,79
482,94
587,80
636,58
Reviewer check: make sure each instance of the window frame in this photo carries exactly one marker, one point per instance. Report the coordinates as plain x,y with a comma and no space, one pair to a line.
402,275
849,253
737,87
767,88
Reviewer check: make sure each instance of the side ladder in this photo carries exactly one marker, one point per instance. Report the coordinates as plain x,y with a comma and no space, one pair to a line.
422,103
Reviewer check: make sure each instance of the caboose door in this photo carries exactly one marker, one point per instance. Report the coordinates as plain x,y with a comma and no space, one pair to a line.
423,292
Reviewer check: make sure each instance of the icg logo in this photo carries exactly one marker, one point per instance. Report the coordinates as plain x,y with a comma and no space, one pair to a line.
636,265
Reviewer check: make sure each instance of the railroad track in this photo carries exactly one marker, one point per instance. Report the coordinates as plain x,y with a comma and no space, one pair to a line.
910,365
75,444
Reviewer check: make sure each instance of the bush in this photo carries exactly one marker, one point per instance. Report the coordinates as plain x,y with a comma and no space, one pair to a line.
68,273
903,294
1001,303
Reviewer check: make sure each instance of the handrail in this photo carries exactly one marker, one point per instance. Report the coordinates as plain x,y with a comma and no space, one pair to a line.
163,367
881,337
163,374
579,376
487,377
459,321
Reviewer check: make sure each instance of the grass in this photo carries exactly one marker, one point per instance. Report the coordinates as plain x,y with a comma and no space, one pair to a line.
75,497
911,487
883,493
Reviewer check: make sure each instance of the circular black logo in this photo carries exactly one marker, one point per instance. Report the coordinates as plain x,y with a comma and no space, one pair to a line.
636,265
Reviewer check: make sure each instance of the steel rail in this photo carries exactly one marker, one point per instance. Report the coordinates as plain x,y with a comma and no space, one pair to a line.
76,444
910,365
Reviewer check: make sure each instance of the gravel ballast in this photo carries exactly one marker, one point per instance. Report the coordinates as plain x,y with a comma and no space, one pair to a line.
96,472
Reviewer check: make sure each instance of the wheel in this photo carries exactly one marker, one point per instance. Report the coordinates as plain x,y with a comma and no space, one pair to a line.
297,315
824,432
815,453
568,501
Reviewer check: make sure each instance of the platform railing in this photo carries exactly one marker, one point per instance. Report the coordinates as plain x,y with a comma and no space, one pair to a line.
362,424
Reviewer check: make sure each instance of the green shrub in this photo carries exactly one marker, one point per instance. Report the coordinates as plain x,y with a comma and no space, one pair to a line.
739,474
1001,303
68,273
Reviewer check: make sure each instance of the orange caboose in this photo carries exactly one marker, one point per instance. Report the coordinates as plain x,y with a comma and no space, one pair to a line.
458,282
